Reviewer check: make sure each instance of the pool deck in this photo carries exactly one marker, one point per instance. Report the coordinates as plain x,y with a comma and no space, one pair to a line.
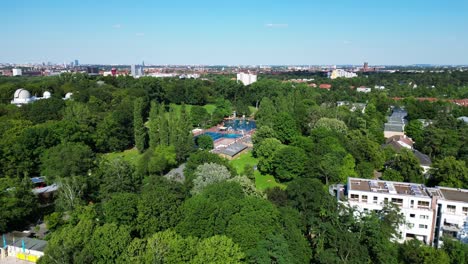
223,143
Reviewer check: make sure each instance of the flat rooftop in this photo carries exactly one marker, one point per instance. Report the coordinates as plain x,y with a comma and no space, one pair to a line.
233,149
378,186
29,243
404,188
459,195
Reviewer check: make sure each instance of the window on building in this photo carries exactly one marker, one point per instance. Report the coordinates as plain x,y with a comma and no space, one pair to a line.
386,200
412,215
422,226
364,198
412,203
451,208
465,210
397,201
424,217
375,199
423,204
355,197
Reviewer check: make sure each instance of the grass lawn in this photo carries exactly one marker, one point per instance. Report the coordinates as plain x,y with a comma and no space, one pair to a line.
130,155
253,110
209,108
262,182
244,159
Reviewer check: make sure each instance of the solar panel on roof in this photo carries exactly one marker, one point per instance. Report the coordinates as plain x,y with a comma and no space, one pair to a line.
391,189
415,190
374,184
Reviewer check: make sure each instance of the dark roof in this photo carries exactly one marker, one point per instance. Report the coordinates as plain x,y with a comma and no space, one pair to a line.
29,243
394,145
233,149
37,180
394,127
424,159
396,121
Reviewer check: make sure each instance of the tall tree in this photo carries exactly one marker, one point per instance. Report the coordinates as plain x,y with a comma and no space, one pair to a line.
153,125
415,130
17,203
67,159
288,163
408,166
266,112
449,172
285,127
207,174
138,124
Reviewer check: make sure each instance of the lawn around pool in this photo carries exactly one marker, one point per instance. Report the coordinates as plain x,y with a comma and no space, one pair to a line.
209,108
262,182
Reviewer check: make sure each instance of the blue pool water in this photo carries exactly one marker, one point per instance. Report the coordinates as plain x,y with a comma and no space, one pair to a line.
216,136
239,124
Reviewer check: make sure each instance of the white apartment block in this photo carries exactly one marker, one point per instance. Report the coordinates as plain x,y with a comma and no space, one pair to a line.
246,78
429,212
17,72
364,89
340,73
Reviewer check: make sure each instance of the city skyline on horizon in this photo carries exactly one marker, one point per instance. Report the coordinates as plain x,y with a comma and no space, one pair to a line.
68,63
213,33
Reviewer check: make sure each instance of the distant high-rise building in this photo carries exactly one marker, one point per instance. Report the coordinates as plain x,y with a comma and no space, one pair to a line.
77,63
133,70
143,63
366,66
136,70
92,70
17,72
246,78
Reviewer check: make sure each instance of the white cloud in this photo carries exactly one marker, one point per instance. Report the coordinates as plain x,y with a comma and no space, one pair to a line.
271,25
117,26
139,34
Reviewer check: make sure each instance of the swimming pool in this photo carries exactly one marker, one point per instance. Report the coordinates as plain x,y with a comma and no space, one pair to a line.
215,135
240,124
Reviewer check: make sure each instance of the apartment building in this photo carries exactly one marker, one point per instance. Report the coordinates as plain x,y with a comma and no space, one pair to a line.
246,78
340,73
429,212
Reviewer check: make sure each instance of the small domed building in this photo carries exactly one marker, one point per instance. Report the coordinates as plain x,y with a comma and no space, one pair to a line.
68,96
46,95
22,96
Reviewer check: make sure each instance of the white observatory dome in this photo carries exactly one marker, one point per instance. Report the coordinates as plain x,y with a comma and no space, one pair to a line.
68,95
22,94
46,94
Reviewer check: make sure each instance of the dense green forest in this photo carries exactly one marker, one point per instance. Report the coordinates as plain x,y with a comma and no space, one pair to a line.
112,208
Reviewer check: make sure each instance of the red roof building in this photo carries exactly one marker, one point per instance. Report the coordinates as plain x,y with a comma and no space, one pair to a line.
325,86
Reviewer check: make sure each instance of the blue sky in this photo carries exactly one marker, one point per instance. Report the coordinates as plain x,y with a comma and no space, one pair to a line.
235,32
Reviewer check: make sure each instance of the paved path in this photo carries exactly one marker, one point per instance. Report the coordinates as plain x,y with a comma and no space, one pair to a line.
13,260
